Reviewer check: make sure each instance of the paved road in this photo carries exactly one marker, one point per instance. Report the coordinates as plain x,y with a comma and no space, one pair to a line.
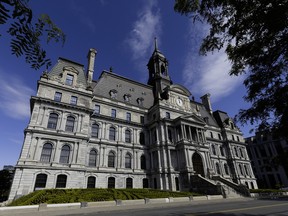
228,208
225,207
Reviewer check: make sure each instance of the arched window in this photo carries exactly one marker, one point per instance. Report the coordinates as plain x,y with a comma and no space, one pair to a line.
111,159
70,124
217,168
61,181
127,136
40,182
111,182
129,183
226,169
91,182
46,152
142,138
52,121
145,183
143,162
112,133
95,131
128,161
64,155
92,158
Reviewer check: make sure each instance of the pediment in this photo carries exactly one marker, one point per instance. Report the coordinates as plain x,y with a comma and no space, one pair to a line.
192,119
71,69
180,89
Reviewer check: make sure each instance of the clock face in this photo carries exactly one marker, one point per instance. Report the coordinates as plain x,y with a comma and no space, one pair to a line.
179,102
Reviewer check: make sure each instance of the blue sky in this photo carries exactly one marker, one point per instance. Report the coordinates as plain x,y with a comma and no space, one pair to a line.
123,34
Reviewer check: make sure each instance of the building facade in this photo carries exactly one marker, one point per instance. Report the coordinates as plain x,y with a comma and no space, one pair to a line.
117,133
269,159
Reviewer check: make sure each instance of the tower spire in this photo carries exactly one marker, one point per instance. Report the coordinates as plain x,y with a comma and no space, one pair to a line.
155,43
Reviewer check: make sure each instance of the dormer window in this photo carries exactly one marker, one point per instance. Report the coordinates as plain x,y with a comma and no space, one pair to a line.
69,79
140,101
113,93
127,97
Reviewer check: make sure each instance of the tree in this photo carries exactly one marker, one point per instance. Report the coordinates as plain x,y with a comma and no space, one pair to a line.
26,35
5,184
254,35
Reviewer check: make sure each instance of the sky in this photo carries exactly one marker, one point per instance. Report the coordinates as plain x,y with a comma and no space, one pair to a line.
123,34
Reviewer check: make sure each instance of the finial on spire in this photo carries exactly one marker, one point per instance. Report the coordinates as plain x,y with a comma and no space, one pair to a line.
155,42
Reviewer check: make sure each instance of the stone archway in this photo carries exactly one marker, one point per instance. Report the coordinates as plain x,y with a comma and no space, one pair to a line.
198,164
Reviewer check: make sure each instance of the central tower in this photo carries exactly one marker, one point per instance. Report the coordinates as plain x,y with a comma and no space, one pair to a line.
158,74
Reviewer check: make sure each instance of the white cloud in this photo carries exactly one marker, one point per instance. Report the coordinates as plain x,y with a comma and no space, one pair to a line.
207,74
145,28
15,97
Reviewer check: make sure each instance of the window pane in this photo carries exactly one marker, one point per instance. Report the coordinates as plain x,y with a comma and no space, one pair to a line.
143,162
46,153
64,156
95,130
112,133
61,181
69,79
52,121
73,100
97,109
111,159
128,117
129,183
145,183
57,96
128,161
92,158
41,180
111,182
142,138
70,124
91,182
128,136
113,113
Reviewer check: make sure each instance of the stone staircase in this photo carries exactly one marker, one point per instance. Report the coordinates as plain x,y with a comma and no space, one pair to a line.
218,185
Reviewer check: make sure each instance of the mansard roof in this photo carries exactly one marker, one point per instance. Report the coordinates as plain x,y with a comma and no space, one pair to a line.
66,64
139,94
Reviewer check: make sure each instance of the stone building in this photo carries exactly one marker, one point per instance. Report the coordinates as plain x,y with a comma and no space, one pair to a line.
118,133
269,159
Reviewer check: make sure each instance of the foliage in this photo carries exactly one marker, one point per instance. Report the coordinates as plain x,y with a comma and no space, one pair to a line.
25,34
254,35
93,195
5,184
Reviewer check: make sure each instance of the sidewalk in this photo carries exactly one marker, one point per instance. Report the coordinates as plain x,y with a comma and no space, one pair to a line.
97,207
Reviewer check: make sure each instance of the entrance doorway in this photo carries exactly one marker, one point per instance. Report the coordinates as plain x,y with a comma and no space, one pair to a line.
198,164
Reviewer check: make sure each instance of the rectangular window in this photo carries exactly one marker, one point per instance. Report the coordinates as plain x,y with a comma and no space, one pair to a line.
57,96
128,117
142,119
69,79
73,100
113,113
96,109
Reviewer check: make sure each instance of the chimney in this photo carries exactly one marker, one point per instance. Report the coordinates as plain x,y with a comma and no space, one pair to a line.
91,60
206,102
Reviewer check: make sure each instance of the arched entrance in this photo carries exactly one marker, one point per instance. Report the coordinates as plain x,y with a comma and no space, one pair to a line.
198,164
